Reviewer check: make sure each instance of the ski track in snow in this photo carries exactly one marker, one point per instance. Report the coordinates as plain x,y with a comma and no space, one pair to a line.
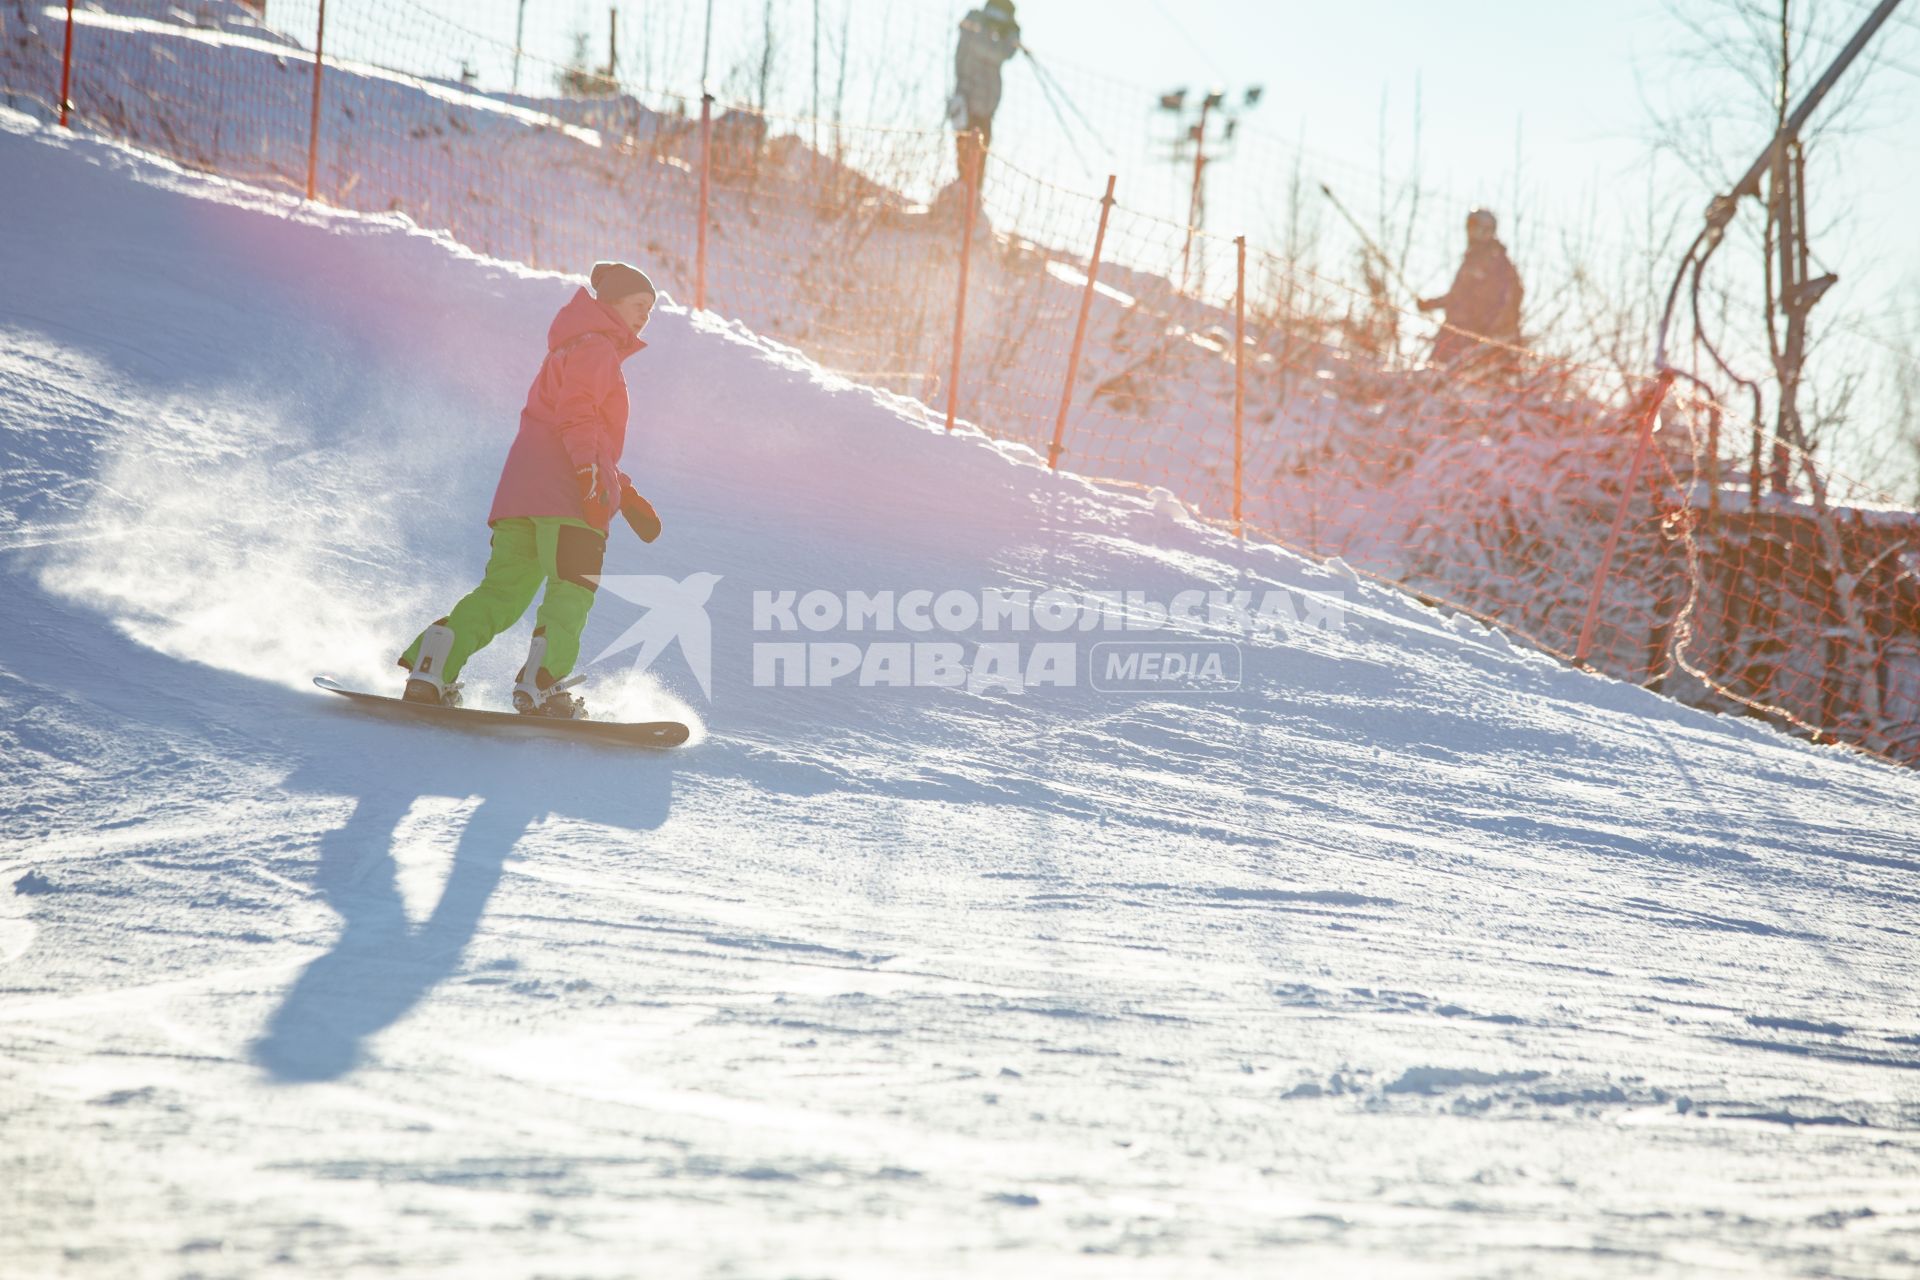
1418,955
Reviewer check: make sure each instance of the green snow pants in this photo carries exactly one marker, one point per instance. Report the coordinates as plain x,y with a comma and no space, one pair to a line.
560,551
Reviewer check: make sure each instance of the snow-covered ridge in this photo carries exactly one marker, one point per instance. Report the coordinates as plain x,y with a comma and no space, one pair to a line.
288,54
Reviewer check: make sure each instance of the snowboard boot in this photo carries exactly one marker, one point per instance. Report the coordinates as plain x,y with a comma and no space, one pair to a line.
423,680
537,693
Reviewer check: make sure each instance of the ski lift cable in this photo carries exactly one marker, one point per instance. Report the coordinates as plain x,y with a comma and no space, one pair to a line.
1372,248
1052,88
1186,34
1065,128
1751,386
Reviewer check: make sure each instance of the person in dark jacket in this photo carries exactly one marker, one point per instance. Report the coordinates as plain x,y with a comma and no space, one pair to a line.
1483,303
558,493
988,38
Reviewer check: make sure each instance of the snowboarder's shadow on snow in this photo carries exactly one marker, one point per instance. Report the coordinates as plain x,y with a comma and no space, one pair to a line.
382,963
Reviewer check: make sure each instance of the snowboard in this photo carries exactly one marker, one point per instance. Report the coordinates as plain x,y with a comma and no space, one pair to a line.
651,733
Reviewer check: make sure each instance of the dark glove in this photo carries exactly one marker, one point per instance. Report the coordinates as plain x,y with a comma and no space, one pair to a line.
639,513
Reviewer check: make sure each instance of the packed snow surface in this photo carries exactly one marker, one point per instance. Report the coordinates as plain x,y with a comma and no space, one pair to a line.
1409,953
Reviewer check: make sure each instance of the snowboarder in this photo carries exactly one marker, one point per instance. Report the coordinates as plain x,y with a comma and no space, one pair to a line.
1483,303
558,493
988,38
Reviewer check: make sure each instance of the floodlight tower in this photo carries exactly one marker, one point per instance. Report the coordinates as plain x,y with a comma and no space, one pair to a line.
1203,135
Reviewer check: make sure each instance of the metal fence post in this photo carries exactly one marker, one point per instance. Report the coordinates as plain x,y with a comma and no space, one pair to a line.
1080,329
974,167
313,126
1656,394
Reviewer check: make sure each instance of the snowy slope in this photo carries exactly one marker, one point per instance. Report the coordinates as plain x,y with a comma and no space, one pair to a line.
1412,955
843,260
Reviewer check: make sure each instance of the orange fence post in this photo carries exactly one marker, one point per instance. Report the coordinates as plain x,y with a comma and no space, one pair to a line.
313,126
974,167
66,69
1239,378
706,188
1080,329
1655,395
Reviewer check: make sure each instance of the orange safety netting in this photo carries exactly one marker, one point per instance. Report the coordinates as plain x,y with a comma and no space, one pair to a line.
1630,521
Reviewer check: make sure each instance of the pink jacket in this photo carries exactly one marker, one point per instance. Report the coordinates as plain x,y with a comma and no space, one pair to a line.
576,416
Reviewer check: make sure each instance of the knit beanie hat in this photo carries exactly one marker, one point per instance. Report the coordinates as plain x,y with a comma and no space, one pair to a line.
613,281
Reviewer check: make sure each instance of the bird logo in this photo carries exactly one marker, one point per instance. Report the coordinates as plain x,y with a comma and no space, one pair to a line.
674,611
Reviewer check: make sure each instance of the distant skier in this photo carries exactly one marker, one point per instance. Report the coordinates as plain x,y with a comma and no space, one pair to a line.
1482,303
988,38
558,493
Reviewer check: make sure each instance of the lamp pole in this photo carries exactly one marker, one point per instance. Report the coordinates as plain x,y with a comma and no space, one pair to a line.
519,43
1199,132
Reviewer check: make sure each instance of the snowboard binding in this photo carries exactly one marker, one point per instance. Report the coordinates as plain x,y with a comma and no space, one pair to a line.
537,693
559,704
423,681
